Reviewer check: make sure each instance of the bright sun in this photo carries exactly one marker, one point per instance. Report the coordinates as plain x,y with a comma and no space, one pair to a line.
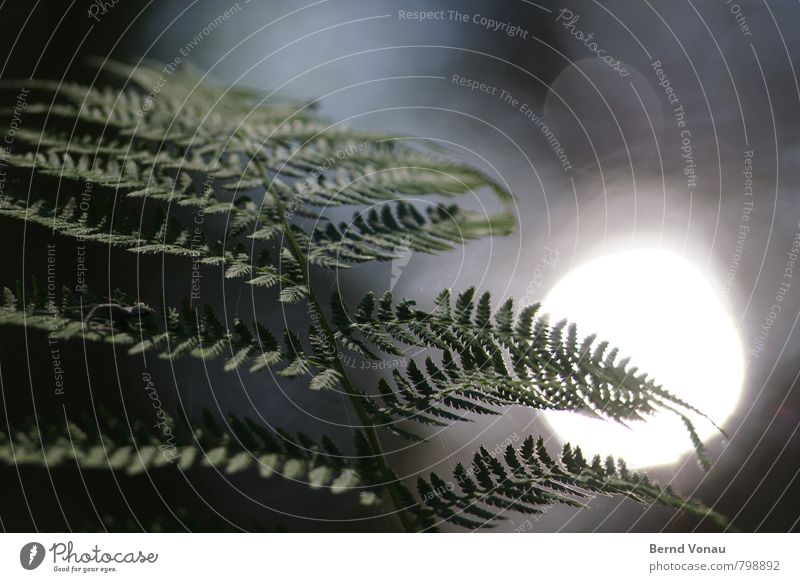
659,310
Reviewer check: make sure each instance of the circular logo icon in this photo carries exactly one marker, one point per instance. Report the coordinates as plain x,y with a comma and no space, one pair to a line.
31,555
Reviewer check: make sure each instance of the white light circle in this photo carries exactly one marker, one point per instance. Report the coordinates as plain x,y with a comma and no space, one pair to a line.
659,309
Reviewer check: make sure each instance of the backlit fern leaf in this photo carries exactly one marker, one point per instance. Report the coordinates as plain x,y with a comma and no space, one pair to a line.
520,359
155,172
528,480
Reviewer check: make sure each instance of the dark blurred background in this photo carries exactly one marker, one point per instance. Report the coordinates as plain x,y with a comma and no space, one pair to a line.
621,187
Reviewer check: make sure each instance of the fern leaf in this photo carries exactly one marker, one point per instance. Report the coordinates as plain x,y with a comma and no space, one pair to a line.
546,373
527,480
109,443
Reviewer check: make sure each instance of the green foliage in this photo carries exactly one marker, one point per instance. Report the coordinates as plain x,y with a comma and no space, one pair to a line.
171,152
528,480
482,367
484,364
166,172
106,442
172,333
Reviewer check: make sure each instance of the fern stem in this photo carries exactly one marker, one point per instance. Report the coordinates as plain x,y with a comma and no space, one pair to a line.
352,393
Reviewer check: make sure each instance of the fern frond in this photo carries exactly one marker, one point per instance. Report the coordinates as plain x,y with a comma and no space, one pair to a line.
148,151
518,359
158,233
130,446
381,235
528,480
171,334
151,157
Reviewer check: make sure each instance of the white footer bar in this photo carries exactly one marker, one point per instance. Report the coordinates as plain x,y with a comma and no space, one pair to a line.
389,557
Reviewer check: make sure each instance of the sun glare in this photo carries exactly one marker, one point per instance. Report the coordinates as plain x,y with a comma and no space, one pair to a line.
661,311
